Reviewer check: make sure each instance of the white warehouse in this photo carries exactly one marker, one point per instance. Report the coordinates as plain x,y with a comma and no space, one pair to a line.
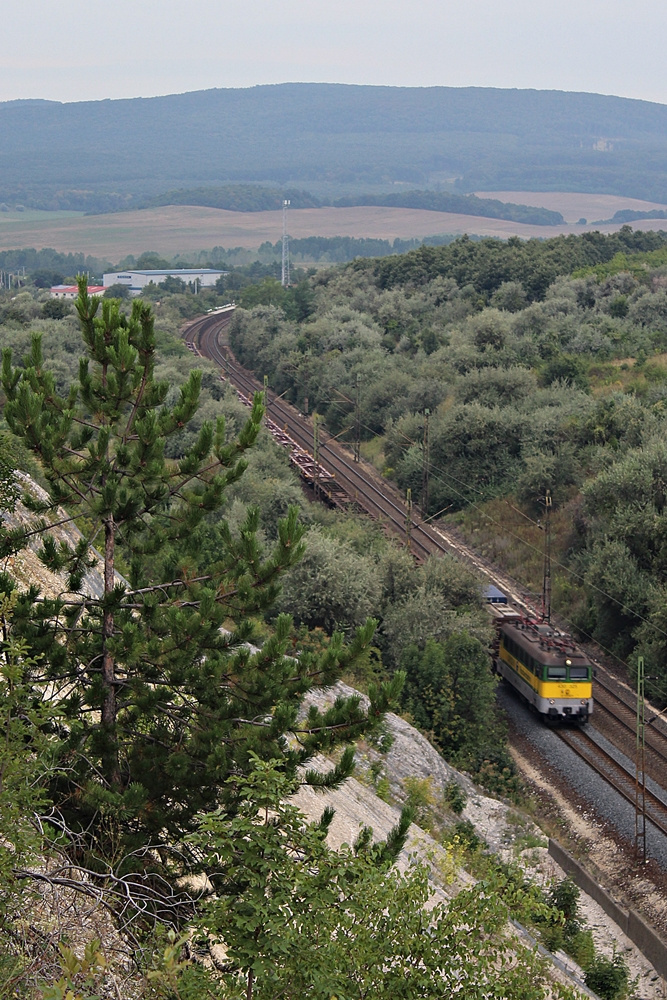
204,277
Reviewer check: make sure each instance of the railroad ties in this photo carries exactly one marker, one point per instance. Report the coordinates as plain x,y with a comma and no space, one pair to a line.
323,482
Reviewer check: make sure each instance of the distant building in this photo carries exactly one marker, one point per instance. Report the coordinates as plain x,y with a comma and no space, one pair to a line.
71,291
205,277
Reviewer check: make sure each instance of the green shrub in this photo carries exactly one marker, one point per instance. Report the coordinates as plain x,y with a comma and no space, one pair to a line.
608,977
466,835
581,948
455,797
421,799
565,897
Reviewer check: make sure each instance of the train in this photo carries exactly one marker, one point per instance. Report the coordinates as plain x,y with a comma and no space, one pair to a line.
544,665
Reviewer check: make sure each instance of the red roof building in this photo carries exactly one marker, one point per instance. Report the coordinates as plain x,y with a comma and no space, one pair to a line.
71,291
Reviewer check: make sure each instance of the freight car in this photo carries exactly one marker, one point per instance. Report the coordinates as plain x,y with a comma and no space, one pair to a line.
544,665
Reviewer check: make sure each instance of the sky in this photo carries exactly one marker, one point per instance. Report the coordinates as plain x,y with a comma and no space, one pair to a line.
77,51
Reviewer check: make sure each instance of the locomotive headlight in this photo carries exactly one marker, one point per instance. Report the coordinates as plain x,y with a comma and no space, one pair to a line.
568,663
552,702
583,701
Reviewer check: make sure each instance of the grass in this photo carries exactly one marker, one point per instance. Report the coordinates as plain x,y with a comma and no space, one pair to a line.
373,452
627,375
507,536
182,229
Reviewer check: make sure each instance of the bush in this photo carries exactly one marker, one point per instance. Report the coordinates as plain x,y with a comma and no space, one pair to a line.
608,977
580,947
466,835
56,309
565,897
455,797
419,797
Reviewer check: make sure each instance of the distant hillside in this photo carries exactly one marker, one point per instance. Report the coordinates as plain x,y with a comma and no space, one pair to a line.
256,198
343,140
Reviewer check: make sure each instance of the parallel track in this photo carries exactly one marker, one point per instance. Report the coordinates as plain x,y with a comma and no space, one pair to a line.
616,718
614,774
377,498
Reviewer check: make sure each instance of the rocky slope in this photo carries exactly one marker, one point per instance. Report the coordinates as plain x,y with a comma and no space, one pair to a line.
411,759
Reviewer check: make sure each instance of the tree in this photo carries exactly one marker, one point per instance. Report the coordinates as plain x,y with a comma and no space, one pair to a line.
55,309
331,586
308,921
173,284
151,261
449,690
117,292
160,704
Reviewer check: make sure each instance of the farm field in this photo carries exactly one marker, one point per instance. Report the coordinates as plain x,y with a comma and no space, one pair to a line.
182,229
574,205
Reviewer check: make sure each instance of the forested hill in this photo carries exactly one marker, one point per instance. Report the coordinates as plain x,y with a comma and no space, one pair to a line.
335,138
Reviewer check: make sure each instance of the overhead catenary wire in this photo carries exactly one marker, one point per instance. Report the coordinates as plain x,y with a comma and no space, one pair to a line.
437,474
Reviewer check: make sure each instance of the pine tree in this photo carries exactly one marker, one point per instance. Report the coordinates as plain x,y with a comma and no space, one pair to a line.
161,697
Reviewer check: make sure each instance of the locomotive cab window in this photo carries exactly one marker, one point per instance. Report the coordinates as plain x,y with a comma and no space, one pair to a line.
579,673
556,673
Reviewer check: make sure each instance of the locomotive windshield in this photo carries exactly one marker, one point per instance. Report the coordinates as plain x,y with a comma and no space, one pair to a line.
556,673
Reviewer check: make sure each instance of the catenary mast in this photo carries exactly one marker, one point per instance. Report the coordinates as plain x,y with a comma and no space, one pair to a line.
285,273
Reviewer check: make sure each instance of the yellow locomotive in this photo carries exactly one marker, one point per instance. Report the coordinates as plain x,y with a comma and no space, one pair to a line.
544,665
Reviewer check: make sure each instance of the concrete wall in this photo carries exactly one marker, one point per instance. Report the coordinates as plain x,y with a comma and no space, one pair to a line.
632,925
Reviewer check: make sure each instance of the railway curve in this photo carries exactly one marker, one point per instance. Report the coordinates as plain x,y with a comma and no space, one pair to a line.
359,486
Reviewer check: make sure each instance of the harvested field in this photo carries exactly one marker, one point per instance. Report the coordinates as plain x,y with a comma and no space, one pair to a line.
572,205
182,229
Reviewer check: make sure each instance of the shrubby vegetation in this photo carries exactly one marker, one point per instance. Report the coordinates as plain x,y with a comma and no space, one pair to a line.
543,365
163,725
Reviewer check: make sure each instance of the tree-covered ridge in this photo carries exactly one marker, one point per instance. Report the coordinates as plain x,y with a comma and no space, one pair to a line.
486,264
350,140
234,198
533,379
256,198
467,204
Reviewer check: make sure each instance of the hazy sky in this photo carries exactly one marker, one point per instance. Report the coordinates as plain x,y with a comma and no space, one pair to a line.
74,51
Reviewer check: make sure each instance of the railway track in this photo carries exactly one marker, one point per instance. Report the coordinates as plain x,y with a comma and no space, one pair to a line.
346,483
616,718
363,487
621,779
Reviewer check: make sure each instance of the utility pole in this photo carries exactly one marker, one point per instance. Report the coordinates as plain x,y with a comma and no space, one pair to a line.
285,271
408,517
546,579
425,466
640,767
357,422
316,456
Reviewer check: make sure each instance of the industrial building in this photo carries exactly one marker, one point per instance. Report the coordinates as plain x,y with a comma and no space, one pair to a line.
203,277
